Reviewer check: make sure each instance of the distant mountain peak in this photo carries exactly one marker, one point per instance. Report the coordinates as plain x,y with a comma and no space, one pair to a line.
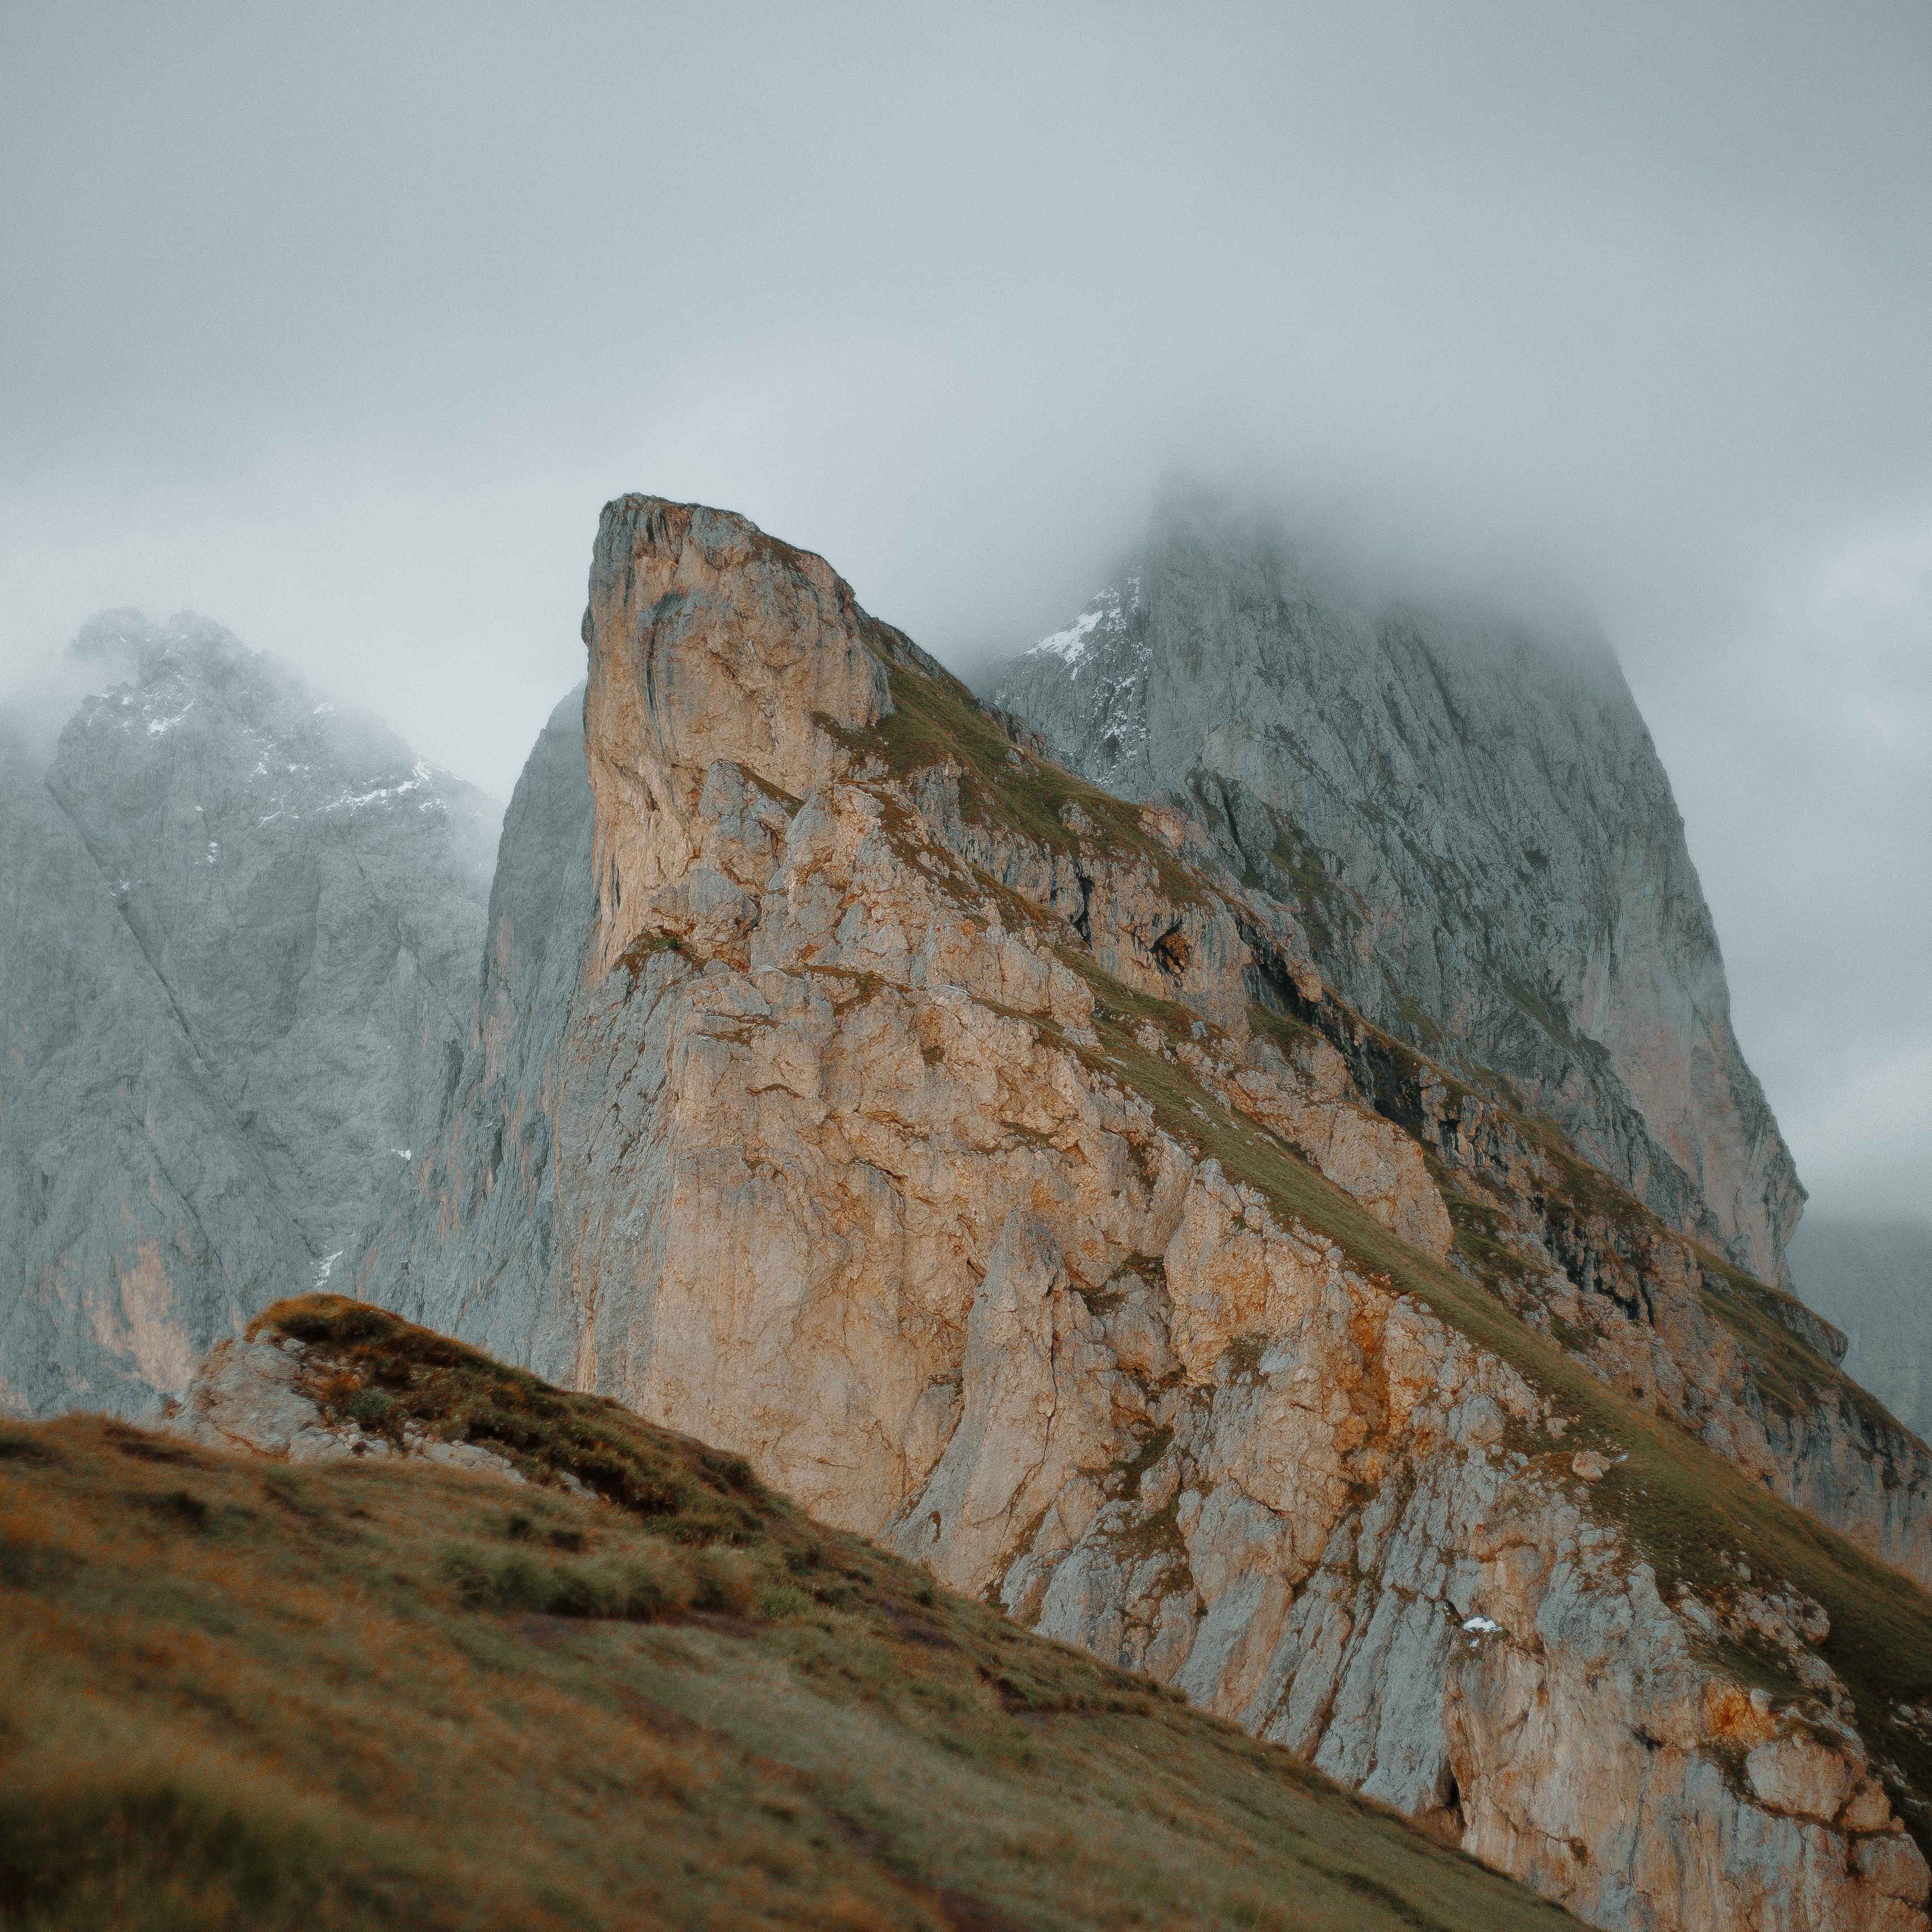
244,925
1467,816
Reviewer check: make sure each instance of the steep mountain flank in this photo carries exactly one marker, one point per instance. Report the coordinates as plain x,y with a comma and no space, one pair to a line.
1873,1279
499,1280
238,936
525,1663
969,1150
1470,825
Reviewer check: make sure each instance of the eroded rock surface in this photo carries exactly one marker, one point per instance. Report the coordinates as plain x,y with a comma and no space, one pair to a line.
274,1396
905,1125
239,930
1469,823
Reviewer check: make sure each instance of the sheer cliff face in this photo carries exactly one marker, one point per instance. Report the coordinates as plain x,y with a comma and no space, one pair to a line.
239,947
854,1089
1472,826
487,1258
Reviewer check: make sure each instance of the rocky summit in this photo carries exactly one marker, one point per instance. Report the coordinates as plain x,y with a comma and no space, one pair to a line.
238,929
1463,817
1016,1179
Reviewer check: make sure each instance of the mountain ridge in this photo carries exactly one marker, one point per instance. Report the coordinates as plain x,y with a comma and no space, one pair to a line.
989,1162
1469,823
969,1149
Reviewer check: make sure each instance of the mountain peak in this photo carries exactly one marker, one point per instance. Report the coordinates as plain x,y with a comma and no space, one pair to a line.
1466,812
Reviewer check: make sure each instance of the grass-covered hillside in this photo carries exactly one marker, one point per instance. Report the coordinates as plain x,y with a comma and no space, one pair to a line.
379,1693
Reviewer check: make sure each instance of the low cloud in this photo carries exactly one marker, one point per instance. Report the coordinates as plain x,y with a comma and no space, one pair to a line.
340,328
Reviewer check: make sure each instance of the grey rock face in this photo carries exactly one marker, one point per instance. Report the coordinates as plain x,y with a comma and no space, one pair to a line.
1873,1279
236,960
136,1218
470,1249
1471,825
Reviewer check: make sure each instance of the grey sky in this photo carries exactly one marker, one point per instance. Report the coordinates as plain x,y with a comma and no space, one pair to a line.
339,323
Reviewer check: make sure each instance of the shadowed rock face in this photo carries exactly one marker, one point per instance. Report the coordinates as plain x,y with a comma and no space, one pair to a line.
237,954
1471,824
803,1117
485,1256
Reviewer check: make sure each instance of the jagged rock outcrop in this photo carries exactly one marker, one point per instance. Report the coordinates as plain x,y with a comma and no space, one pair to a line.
905,1126
1470,822
1671,1326
238,936
273,1395
1873,1279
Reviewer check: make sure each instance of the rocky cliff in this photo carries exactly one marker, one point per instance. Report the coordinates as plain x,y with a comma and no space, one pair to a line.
1468,822
493,1271
238,935
973,1151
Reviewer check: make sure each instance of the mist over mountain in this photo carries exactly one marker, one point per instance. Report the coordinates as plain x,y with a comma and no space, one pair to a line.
1873,1280
1089,1211
240,934
1468,814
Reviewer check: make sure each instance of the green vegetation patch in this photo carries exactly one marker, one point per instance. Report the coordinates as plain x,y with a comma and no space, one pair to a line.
935,720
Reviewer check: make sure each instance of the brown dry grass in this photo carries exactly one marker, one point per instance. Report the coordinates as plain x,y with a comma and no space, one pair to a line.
235,1693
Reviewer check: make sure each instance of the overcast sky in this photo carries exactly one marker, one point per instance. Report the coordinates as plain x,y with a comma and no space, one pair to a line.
339,324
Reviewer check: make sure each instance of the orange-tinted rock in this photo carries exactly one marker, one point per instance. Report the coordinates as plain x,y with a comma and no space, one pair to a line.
844,1177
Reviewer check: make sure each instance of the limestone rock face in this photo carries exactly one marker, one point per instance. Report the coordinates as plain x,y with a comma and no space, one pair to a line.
903,1122
1468,822
239,930
1669,1325
492,1166
726,646
267,1397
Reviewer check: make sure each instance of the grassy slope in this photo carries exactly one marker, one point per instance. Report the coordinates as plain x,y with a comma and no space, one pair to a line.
1687,1511
384,1693
1789,1373
935,719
